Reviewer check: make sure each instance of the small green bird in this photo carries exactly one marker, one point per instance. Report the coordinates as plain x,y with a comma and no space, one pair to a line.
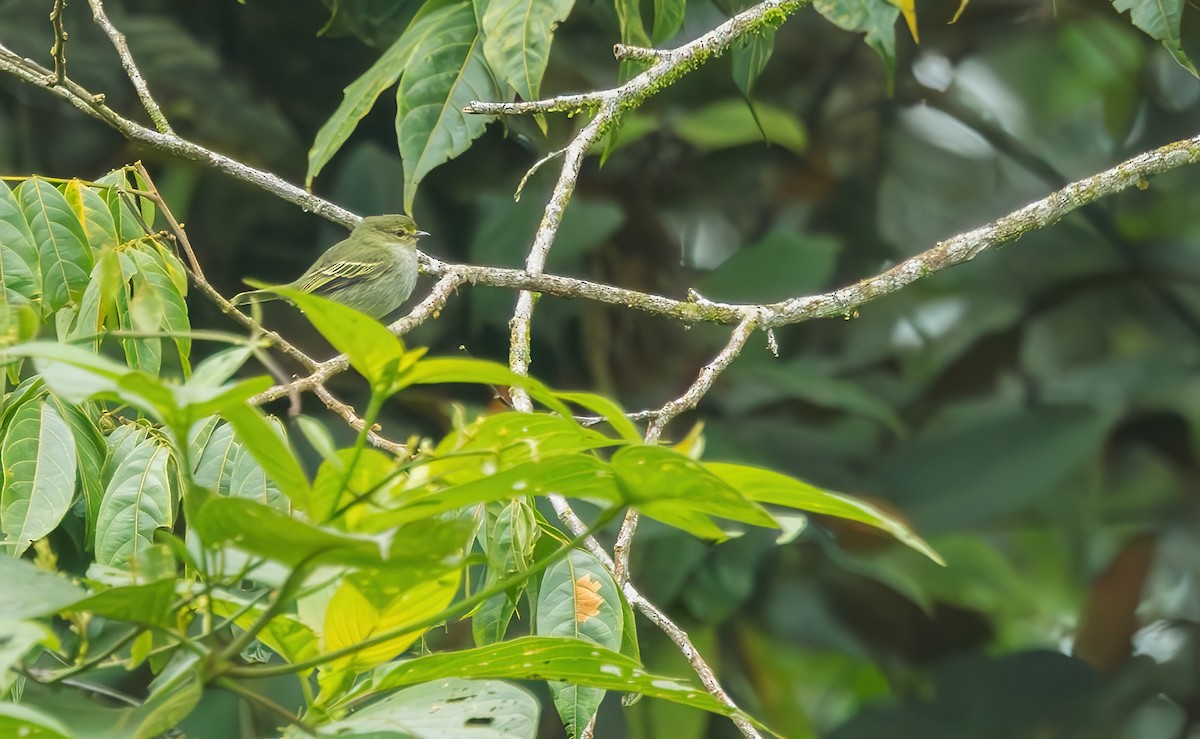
373,270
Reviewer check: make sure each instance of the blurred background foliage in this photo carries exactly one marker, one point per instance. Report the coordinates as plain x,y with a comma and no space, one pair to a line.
1033,413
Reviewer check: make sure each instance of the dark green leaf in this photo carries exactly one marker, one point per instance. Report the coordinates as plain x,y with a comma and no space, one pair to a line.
1160,19
359,98
876,18
517,36
447,70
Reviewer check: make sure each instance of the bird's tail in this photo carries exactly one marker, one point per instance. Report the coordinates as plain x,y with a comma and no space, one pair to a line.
254,296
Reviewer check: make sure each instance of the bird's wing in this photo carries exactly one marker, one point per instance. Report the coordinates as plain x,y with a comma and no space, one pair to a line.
336,275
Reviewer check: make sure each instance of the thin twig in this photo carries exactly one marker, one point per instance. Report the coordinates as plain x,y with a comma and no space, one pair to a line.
131,69
59,49
690,398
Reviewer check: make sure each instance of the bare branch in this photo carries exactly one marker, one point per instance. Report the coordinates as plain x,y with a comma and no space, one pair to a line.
131,69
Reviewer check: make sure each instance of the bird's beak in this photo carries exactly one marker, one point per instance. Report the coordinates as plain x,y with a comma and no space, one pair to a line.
419,234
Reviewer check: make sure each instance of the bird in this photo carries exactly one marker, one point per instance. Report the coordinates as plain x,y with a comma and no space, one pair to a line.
373,270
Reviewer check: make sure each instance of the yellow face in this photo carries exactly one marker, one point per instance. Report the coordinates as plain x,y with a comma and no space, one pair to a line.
400,226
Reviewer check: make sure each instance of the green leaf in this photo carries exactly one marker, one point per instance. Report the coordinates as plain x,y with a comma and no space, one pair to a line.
750,58
447,709
91,455
373,471
1160,19
364,607
512,533
137,501
729,123
17,640
876,18
24,721
272,452
579,599
64,256
447,70
266,532
92,212
286,634
668,486
127,221
517,36
162,274
39,475
543,658
358,99
372,350
30,592
612,412
668,18
580,476
18,253
479,371
98,305
633,31
774,488
151,604
509,439
227,468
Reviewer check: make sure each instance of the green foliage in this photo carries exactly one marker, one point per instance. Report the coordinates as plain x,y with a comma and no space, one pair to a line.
207,549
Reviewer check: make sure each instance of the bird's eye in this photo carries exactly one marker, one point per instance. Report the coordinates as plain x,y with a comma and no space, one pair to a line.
399,232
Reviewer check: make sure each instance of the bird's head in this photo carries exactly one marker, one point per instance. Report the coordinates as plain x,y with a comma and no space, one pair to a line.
396,226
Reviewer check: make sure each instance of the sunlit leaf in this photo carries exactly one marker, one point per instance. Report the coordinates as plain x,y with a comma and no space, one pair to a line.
774,488
372,350
363,608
